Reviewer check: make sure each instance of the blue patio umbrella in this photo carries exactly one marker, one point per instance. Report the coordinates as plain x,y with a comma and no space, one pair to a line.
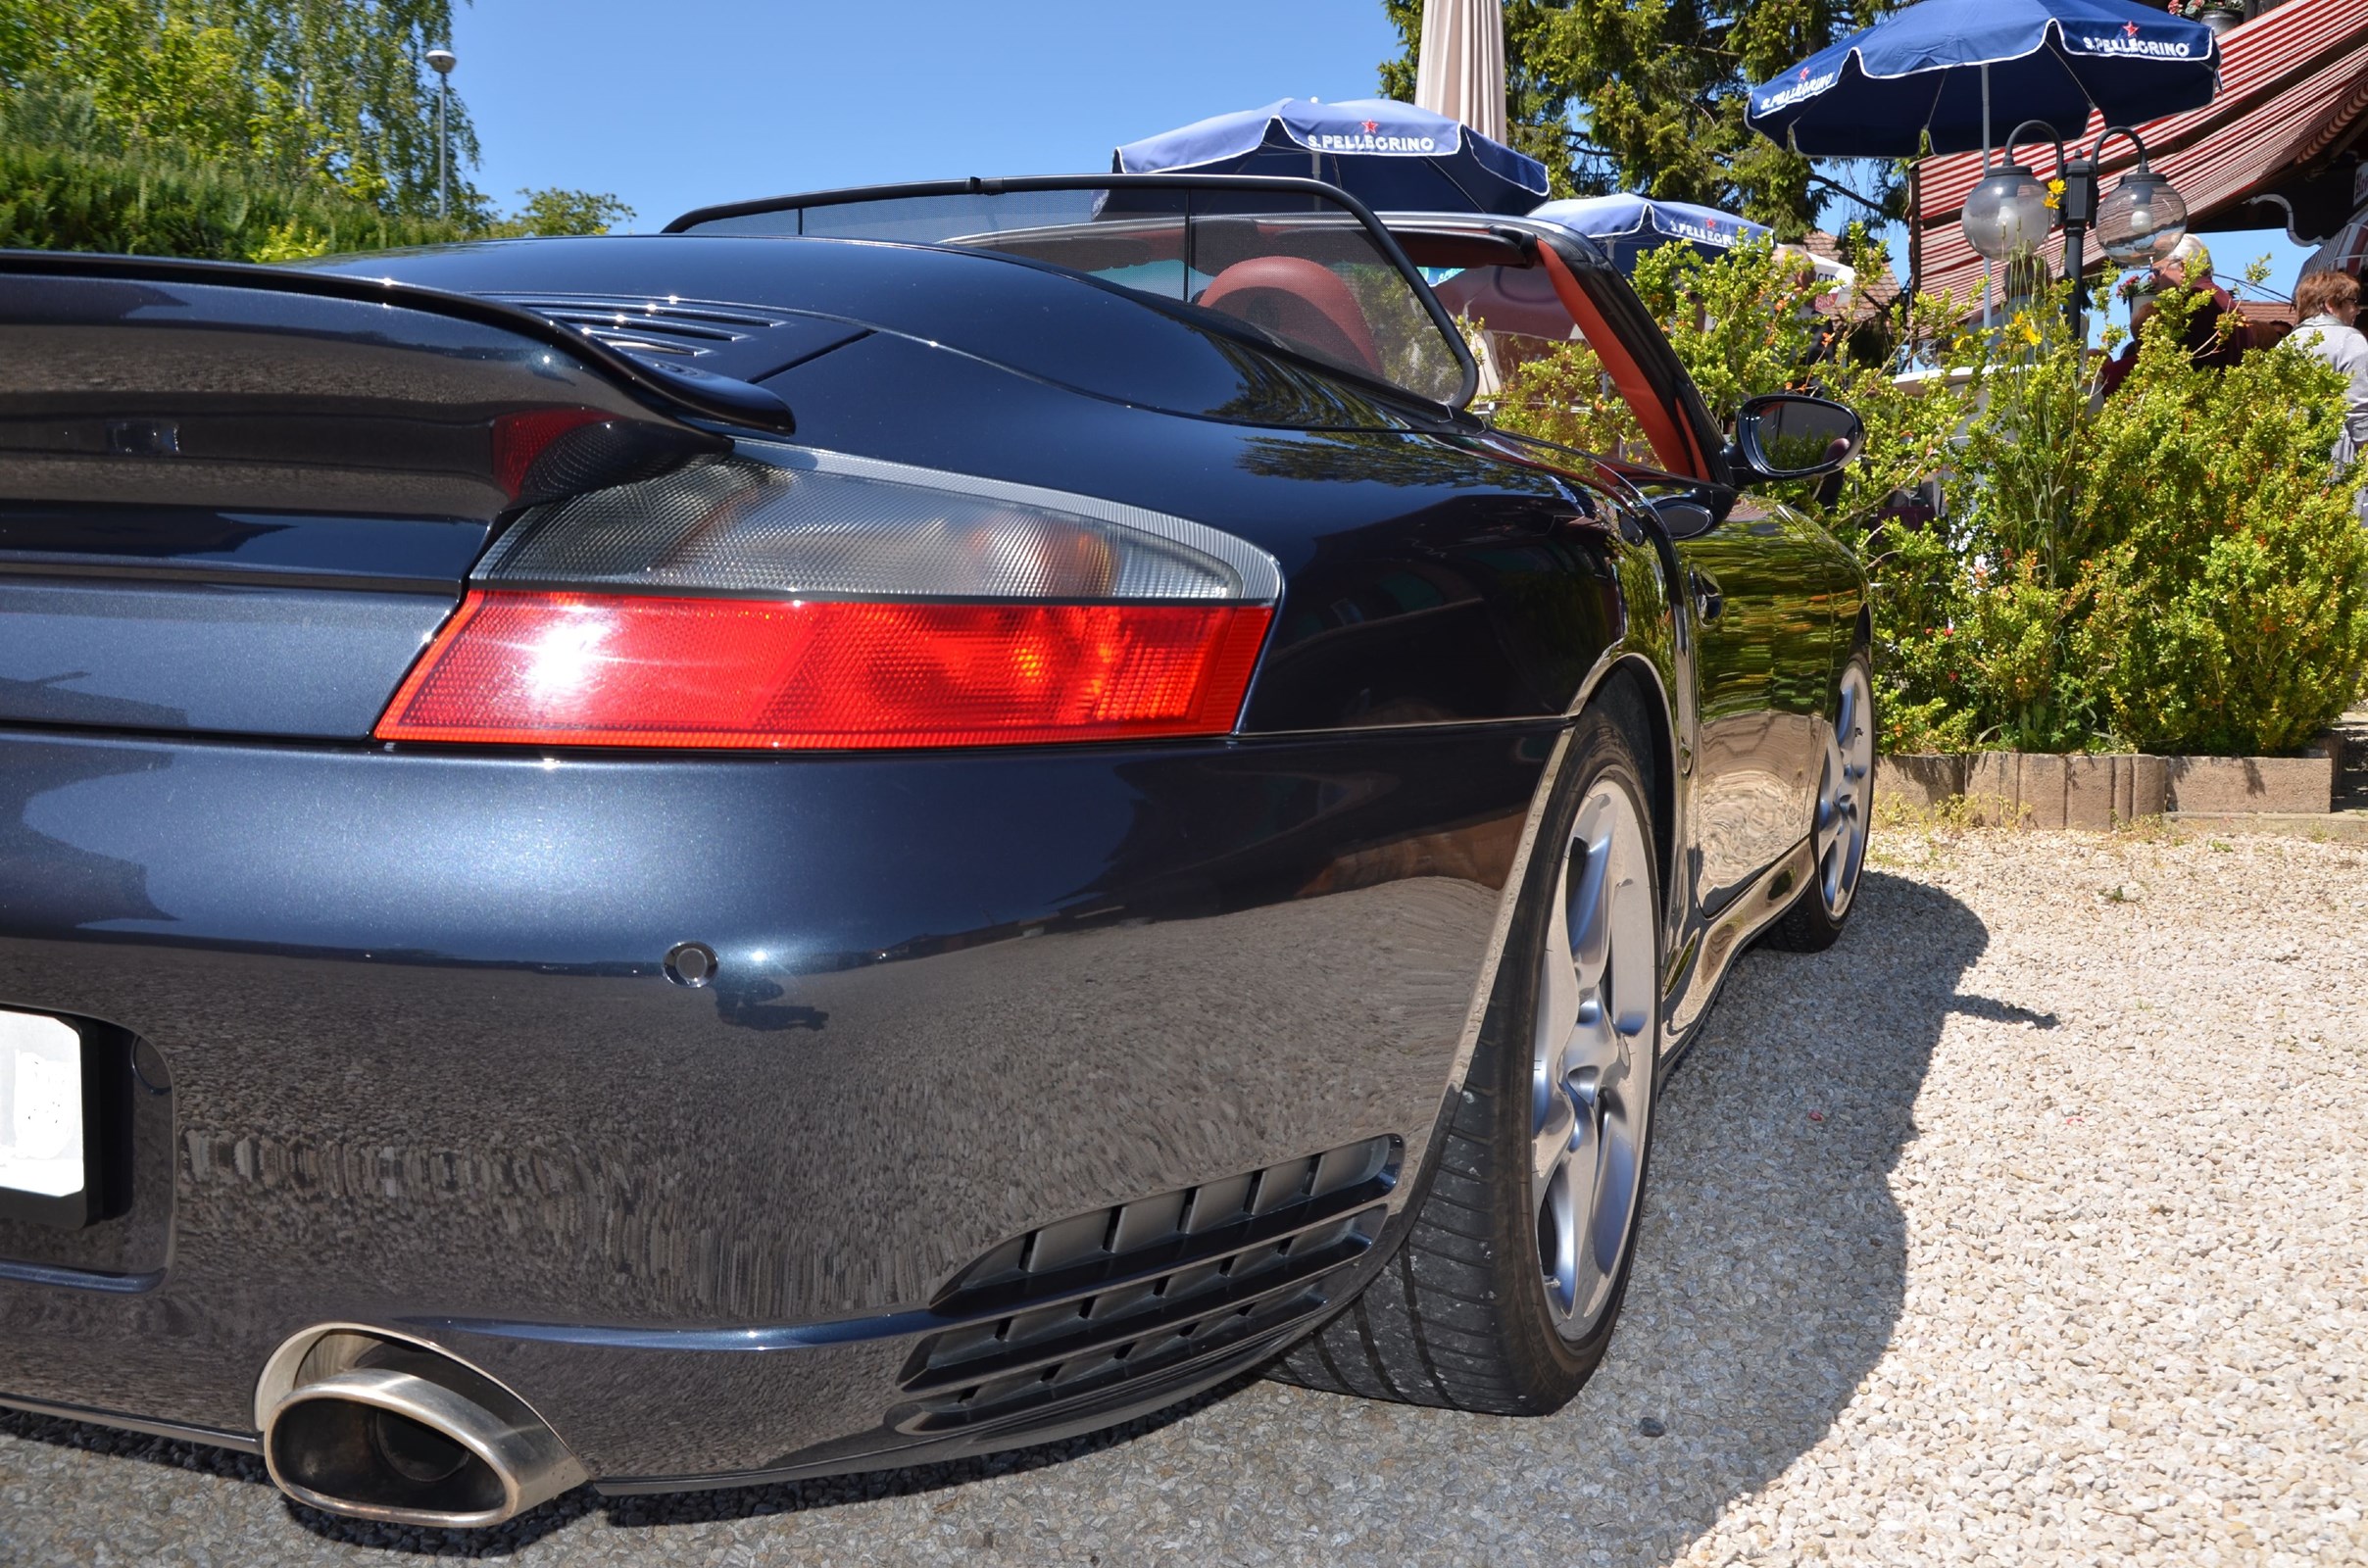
1627,225
1953,68
1388,155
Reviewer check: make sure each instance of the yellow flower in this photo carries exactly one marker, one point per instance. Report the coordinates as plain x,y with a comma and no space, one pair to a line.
2055,194
2030,332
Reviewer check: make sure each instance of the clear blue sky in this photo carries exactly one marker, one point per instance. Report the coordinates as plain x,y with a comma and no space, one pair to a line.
678,105
675,106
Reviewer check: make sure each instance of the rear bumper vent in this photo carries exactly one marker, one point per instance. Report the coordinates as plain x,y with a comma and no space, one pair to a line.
1068,1311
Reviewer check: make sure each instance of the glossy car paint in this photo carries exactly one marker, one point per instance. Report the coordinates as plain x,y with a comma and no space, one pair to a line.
1763,642
227,509
425,1065
407,1006
1762,606
1034,320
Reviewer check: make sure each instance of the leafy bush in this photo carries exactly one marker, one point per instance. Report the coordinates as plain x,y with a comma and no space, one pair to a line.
2017,472
1561,394
2173,569
153,203
1744,325
2227,606
72,181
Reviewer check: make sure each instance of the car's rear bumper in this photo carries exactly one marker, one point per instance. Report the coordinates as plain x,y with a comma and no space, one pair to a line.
427,1070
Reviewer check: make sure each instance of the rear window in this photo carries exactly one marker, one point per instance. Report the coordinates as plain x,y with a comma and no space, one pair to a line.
1289,267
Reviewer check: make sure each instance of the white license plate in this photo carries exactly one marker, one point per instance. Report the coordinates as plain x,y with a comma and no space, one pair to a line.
41,1131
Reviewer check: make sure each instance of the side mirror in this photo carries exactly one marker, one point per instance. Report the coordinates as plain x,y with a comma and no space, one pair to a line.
1685,517
1786,436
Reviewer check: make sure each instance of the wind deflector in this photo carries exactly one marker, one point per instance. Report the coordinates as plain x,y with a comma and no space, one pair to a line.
1290,263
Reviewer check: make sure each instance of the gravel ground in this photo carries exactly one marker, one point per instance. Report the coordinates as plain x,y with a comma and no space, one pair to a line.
2029,1225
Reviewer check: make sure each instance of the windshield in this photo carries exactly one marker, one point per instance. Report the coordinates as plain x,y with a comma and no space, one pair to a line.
1287,264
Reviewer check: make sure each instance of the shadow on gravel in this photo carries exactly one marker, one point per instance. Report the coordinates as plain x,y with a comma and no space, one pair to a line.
672,1508
1771,1281
1772,1277
1774,1265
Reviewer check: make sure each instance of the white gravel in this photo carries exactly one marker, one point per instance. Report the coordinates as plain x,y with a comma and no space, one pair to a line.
2029,1225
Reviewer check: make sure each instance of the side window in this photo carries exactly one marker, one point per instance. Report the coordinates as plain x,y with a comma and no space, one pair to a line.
1560,391
1541,375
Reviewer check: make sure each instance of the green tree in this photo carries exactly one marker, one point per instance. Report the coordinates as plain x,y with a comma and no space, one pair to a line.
345,89
554,211
331,90
140,73
1650,96
320,112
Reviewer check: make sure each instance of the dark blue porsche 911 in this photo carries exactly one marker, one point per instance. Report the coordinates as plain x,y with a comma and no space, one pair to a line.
887,825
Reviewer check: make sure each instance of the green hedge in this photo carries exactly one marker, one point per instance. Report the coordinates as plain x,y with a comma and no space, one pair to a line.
2174,568
154,203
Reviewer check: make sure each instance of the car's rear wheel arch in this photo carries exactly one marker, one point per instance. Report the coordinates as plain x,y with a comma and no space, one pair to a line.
1632,697
1459,1315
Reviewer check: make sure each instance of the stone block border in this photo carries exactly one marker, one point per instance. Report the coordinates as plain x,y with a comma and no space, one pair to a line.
2096,792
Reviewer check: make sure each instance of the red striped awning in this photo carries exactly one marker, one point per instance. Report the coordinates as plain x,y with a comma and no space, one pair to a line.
2347,252
2292,80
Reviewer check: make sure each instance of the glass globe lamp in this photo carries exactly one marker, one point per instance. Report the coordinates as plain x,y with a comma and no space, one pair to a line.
2007,213
2142,221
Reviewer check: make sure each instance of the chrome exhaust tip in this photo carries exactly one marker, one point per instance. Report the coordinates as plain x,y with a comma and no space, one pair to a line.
360,1422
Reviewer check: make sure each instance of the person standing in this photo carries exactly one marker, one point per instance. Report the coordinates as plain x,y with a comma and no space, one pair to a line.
2328,304
2217,334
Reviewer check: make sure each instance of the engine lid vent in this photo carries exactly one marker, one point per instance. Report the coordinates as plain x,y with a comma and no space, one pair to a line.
672,325
757,340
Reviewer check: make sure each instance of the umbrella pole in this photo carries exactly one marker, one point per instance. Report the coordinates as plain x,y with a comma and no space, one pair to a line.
1915,230
1986,170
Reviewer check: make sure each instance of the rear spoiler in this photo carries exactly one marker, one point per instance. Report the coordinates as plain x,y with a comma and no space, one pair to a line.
675,389
125,381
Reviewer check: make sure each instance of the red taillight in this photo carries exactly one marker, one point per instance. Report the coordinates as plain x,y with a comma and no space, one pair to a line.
583,669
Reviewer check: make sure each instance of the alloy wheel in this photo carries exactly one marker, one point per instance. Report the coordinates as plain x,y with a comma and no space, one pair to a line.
1841,826
1593,1057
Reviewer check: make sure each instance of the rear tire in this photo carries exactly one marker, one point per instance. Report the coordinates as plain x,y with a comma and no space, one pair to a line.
1507,1289
1842,822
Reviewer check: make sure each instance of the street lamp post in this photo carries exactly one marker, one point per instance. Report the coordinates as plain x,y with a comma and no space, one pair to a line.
441,61
2142,221
2009,210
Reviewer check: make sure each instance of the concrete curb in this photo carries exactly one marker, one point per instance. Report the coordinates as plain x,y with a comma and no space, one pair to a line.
2343,827
2044,790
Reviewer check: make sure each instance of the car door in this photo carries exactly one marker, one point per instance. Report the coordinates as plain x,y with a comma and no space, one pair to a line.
1759,578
